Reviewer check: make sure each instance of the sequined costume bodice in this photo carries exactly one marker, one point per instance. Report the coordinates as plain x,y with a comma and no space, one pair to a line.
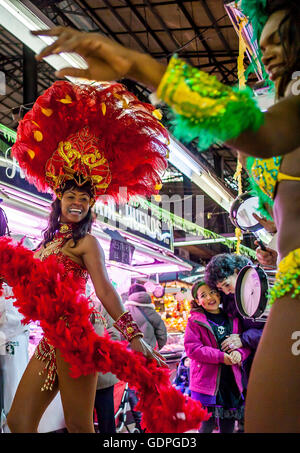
45,351
265,174
55,248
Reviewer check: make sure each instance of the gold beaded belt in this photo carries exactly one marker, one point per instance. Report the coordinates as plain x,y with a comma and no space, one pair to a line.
287,277
46,353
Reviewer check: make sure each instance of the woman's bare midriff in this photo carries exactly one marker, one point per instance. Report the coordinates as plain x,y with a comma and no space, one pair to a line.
287,216
287,206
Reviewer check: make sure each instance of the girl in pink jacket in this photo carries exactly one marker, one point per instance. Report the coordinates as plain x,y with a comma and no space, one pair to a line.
215,376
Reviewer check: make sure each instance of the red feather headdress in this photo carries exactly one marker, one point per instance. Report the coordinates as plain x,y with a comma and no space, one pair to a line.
97,133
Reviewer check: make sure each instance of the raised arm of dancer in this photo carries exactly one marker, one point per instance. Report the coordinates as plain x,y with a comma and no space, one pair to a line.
108,60
279,134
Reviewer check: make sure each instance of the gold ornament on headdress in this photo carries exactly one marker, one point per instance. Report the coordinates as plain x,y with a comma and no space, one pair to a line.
79,158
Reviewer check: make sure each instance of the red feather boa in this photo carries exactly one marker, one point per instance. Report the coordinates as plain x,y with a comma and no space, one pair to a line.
43,294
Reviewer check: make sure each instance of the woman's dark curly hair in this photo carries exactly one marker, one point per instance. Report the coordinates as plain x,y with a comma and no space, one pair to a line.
81,228
289,32
222,266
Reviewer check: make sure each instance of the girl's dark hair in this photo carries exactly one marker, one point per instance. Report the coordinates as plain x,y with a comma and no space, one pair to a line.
194,291
81,228
289,32
222,266
196,286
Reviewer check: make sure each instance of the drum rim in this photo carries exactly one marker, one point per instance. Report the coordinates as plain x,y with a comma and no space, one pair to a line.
263,301
234,208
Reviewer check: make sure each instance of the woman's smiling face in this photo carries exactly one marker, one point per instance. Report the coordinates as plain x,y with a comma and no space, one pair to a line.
74,205
272,48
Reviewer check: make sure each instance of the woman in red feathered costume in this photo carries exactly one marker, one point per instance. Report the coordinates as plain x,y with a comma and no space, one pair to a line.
85,142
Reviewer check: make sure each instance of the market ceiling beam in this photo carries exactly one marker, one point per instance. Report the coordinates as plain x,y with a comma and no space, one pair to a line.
201,53
103,27
154,10
151,32
126,26
30,76
175,29
62,15
201,37
216,26
45,73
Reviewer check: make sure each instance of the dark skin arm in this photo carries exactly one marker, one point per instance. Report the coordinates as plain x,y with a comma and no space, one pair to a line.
108,60
279,135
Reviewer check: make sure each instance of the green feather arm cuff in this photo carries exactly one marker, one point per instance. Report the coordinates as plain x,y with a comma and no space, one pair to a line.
205,108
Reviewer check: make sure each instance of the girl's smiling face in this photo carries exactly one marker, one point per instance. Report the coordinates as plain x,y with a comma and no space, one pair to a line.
208,298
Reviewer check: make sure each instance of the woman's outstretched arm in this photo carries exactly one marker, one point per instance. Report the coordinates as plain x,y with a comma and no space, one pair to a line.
107,60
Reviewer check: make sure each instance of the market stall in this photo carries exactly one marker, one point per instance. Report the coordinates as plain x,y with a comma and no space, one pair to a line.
172,301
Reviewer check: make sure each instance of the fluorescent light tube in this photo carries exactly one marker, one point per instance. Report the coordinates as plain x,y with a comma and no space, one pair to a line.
20,20
203,241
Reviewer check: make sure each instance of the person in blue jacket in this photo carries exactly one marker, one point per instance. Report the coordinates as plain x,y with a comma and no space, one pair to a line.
182,378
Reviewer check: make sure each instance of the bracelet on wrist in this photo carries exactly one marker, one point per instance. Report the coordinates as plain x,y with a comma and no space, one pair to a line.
126,325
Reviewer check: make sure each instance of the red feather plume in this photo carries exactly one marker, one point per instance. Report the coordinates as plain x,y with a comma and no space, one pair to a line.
133,141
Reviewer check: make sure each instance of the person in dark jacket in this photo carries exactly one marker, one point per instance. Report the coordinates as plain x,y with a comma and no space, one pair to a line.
148,320
104,399
182,379
142,309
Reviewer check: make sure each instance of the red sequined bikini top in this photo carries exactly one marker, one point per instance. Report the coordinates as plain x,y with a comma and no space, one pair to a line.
54,248
79,272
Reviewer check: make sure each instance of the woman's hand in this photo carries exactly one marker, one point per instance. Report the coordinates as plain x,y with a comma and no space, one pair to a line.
106,60
231,343
235,357
268,225
139,345
266,257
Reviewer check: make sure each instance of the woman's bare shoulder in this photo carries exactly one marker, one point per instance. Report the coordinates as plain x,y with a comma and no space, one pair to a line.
90,242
